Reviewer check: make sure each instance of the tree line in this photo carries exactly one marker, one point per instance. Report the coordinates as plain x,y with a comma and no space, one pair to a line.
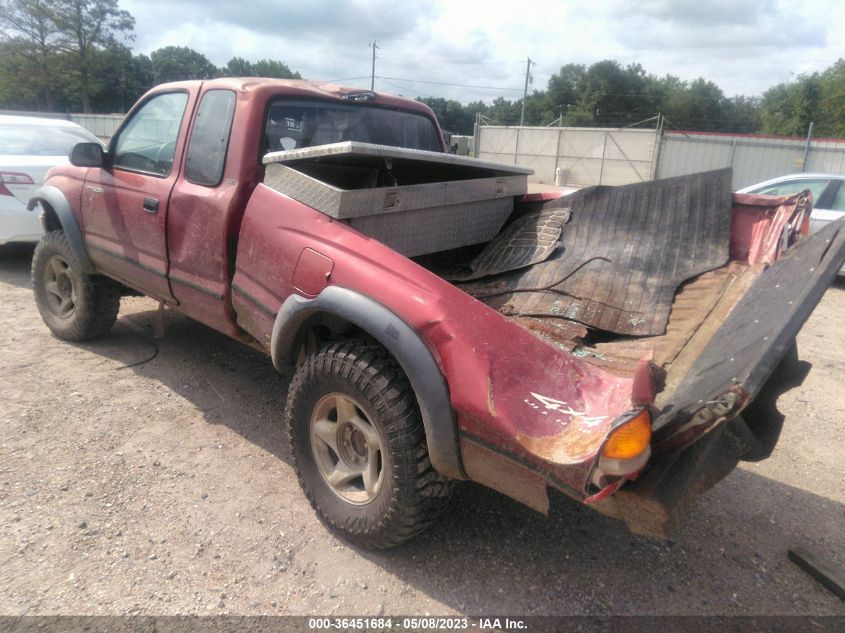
71,55
607,94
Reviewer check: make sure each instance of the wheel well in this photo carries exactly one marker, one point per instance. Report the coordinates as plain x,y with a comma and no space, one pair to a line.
51,218
302,323
318,329
322,328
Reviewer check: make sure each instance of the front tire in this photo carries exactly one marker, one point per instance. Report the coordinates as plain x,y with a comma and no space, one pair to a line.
359,447
74,305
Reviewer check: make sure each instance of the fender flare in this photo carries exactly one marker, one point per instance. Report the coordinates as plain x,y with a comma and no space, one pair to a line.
54,197
402,342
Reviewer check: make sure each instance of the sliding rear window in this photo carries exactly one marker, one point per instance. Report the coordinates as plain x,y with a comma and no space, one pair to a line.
295,124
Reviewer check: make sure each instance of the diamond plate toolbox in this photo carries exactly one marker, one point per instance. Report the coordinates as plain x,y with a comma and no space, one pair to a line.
446,203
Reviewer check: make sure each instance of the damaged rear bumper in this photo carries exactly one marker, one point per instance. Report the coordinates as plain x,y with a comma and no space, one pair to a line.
724,410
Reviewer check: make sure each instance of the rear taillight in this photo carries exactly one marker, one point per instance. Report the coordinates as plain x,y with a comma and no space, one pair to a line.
13,178
630,439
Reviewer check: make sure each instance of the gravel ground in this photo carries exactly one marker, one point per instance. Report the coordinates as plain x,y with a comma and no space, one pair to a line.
166,488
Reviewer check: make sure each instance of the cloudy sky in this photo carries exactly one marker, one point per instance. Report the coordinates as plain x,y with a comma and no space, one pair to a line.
480,48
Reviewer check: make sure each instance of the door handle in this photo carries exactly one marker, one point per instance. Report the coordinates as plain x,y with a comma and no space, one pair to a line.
151,205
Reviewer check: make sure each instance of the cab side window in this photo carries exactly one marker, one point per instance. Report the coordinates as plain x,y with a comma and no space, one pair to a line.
148,142
210,138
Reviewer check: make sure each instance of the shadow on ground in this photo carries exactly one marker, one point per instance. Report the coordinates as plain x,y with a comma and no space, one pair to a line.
491,555
15,263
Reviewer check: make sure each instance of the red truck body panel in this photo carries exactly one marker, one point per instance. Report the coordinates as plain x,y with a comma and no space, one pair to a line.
495,369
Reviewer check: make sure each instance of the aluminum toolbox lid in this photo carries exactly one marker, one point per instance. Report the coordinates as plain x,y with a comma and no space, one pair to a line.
356,153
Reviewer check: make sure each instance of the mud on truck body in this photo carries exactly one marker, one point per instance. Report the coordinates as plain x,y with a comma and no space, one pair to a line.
623,345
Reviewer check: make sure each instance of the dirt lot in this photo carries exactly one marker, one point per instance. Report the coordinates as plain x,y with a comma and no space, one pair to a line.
166,488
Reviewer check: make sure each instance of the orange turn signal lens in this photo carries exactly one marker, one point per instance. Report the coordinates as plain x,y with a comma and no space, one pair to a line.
630,439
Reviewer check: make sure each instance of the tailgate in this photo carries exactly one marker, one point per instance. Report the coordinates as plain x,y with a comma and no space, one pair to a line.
745,350
699,435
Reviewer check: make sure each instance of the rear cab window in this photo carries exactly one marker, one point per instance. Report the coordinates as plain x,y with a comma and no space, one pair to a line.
293,124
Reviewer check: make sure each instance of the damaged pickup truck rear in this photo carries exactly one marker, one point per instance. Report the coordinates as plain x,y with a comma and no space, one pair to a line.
623,345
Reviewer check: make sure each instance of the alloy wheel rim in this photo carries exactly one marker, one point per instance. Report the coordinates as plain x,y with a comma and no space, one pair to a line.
347,449
61,289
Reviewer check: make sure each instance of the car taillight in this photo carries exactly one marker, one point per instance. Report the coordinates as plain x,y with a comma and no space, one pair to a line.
630,439
12,178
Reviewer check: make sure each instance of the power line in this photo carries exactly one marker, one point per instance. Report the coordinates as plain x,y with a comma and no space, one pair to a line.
331,81
445,83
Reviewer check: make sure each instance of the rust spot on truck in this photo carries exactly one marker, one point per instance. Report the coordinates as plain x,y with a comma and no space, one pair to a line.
576,443
491,407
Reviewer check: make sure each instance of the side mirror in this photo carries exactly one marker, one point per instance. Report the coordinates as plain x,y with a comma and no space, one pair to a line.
87,155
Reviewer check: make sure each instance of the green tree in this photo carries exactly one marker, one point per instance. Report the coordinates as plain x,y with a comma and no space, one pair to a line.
16,91
237,67
563,88
451,115
85,26
34,46
120,78
831,116
614,95
240,67
789,108
273,68
741,115
175,63
696,106
503,112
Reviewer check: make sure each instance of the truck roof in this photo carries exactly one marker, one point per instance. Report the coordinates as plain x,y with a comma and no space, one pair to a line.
265,87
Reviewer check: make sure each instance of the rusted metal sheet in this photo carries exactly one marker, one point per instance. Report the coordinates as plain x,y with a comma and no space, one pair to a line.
763,227
561,332
624,252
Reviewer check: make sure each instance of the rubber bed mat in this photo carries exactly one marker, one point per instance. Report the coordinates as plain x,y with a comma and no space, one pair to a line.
528,240
623,254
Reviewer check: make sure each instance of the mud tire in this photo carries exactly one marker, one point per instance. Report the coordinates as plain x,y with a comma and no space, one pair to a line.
412,494
75,306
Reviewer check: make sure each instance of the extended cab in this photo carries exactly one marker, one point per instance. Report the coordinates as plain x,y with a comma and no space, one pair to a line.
622,345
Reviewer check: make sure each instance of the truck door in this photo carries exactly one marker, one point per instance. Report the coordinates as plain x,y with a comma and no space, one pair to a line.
124,204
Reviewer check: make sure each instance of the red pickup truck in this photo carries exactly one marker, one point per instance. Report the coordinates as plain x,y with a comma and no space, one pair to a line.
623,345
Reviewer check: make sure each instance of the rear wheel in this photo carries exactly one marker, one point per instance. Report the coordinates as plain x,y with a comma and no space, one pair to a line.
74,305
359,446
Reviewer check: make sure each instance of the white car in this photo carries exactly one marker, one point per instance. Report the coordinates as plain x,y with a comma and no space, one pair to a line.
828,194
29,146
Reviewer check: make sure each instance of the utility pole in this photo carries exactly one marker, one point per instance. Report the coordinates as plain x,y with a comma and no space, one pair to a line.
525,92
807,147
373,74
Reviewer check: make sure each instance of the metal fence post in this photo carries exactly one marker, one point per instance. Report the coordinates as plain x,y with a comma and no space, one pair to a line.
658,144
603,150
557,155
807,147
